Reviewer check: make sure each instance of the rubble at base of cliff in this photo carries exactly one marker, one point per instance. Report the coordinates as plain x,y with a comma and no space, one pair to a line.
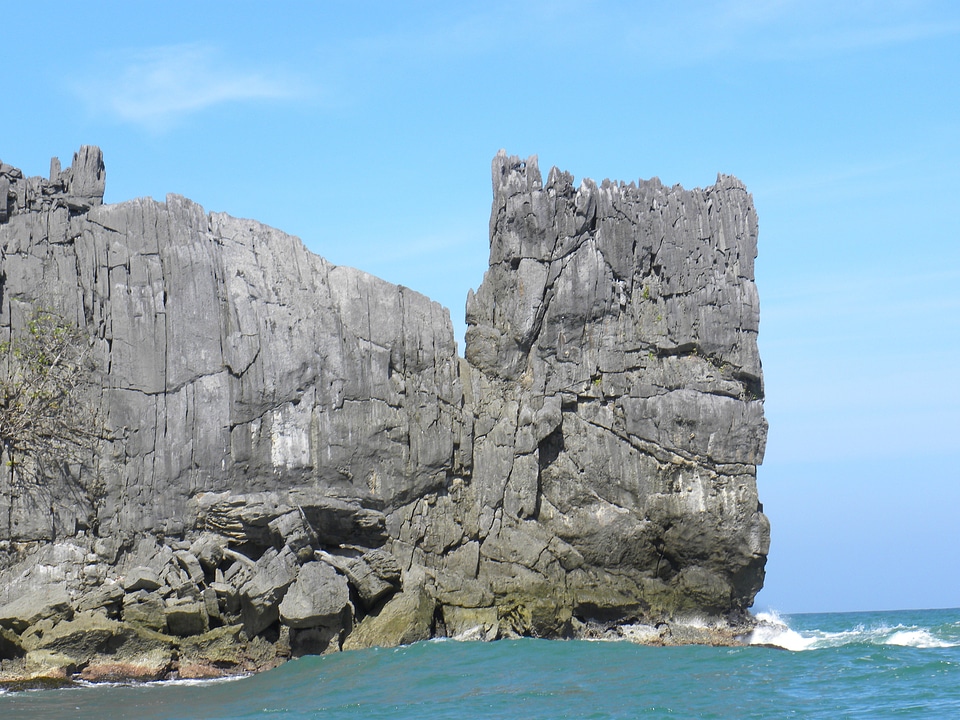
291,458
246,597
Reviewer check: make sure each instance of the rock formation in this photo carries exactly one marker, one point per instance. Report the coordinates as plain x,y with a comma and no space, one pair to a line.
291,458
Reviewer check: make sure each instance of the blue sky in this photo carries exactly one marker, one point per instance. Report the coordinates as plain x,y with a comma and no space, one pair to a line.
367,129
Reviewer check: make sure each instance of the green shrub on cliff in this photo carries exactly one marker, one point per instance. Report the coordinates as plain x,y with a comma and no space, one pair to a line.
44,422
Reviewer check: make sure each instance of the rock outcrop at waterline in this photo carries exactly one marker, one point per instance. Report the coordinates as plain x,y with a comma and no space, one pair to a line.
291,458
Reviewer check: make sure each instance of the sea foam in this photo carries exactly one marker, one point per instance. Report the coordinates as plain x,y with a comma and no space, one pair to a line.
917,638
772,630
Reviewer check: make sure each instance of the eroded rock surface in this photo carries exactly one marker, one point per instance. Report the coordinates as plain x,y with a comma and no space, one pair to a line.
294,459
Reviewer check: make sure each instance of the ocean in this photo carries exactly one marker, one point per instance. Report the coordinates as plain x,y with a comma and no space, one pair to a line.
836,665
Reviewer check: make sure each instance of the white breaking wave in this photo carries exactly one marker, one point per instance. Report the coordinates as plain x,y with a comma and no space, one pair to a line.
694,621
179,681
772,630
918,639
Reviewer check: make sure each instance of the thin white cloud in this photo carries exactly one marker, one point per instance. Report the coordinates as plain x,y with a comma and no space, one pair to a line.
830,180
791,30
157,87
853,39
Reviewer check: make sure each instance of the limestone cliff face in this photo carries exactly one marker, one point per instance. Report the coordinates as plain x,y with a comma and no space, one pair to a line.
592,460
617,387
232,359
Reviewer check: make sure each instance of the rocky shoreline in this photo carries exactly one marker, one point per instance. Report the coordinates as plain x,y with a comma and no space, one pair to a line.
202,609
144,656
284,457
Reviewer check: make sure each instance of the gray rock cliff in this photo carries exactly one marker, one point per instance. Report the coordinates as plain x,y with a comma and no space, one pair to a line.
292,458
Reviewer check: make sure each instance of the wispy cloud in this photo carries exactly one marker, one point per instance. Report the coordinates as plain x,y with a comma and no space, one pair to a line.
858,38
831,180
791,30
157,87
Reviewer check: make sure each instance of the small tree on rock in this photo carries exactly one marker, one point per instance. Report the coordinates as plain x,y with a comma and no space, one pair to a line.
44,421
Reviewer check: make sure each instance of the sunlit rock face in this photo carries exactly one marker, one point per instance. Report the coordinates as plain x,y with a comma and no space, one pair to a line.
617,393
591,461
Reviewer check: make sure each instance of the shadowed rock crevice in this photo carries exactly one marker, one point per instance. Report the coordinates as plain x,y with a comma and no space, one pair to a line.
295,460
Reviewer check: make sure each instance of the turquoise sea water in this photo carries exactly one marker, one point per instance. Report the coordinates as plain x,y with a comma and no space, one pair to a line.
840,665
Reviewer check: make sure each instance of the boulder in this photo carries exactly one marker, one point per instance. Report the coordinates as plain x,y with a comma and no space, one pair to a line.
47,602
318,598
144,667
315,640
293,530
208,549
186,617
145,609
374,575
215,653
141,578
467,623
191,565
90,635
48,665
107,596
260,597
228,597
211,604
406,618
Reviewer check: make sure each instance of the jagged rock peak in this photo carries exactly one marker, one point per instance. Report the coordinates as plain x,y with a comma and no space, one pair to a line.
688,253
78,188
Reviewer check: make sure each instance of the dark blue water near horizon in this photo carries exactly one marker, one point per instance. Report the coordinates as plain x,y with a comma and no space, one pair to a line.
834,665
